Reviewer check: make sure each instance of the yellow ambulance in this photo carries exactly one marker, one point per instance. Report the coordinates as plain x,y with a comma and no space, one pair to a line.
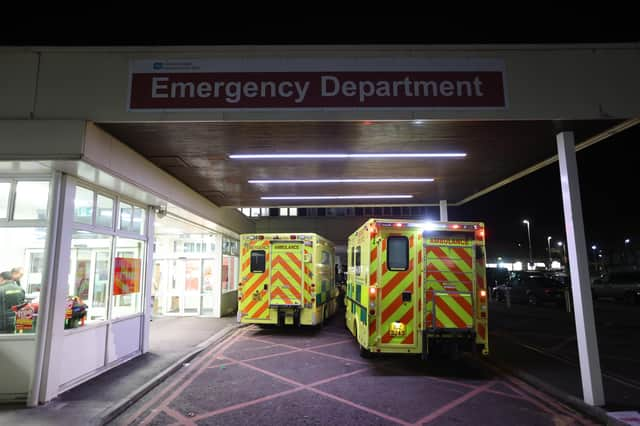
417,287
286,278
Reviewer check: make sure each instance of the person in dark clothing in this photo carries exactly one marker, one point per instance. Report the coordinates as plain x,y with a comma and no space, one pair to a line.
11,294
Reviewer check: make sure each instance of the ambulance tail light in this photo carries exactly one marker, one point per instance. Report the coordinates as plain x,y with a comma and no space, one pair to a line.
398,225
483,293
261,237
293,237
373,293
480,234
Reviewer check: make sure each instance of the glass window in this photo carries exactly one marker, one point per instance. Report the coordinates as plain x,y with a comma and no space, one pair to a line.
258,258
358,261
137,225
126,214
398,253
284,211
264,212
255,212
293,211
104,213
127,277
246,212
83,206
31,200
325,258
88,278
23,260
229,273
5,190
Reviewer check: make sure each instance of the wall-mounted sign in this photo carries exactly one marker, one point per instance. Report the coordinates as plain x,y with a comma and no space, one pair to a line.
126,275
314,84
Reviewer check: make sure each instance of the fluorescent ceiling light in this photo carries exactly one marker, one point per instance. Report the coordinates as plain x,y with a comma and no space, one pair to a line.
335,197
390,180
371,155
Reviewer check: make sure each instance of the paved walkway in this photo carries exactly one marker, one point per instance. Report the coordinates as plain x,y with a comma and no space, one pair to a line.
540,342
272,376
171,338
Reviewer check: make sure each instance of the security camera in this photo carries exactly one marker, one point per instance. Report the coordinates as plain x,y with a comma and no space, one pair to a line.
161,210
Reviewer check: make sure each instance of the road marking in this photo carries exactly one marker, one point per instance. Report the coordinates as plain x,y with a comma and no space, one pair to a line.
202,363
453,404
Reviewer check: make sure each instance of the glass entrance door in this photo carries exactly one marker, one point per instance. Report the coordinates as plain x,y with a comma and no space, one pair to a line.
192,286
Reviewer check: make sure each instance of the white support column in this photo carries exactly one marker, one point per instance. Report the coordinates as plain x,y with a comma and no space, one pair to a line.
579,269
147,307
443,211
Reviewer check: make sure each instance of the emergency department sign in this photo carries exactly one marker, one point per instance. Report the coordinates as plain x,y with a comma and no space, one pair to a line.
313,84
126,277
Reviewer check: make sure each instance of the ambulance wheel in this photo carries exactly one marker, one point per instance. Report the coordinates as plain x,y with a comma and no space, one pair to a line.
365,353
323,317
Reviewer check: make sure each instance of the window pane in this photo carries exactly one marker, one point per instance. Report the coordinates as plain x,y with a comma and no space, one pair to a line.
88,278
293,211
126,213
264,212
5,189
284,211
31,200
258,261
255,212
398,254
127,277
23,261
83,206
137,225
326,258
104,214
229,273
358,261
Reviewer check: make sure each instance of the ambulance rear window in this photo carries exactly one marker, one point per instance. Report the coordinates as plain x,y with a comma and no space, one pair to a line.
258,261
397,253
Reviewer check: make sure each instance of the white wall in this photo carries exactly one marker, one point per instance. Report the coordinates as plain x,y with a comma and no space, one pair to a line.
40,139
17,360
556,82
18,71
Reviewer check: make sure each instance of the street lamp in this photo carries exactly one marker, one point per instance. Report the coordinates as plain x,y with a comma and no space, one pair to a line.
564,253
526,222
549,248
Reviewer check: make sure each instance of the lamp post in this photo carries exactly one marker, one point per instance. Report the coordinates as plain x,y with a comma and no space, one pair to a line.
564,255
549,248
526,222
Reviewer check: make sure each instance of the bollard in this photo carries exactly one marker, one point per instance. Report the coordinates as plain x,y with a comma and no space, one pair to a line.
567,299
508,297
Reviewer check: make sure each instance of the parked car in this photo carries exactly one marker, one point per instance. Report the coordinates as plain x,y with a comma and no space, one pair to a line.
532,287
624,285
496,277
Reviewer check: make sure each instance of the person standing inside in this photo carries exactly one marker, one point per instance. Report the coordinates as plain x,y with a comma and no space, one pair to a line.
11,294
16,274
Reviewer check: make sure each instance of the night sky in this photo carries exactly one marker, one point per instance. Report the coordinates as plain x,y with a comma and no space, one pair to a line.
608,174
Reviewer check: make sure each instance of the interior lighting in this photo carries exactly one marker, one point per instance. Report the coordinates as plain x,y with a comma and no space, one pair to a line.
338,155
335,197
382,180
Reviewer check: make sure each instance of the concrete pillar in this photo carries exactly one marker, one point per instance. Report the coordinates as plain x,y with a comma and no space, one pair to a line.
579,270
443,211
